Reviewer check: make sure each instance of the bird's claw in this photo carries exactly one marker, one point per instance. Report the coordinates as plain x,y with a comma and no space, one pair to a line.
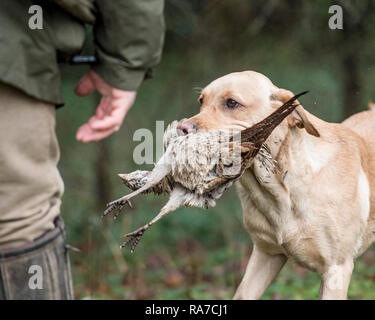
117,206
133,238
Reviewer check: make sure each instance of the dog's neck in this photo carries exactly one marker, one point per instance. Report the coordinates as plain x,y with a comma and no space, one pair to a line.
265,190
284,143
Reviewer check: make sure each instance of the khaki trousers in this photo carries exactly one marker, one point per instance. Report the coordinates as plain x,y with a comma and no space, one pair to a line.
30,184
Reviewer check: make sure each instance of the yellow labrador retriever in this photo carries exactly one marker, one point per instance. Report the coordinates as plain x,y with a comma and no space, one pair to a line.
318,208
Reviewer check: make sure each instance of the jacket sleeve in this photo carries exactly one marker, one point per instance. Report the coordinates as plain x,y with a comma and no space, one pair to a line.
129,36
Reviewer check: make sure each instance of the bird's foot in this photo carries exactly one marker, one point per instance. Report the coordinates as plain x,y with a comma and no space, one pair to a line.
134,238
117,206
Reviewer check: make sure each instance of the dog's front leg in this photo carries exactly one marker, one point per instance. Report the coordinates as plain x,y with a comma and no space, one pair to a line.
260,272
335,281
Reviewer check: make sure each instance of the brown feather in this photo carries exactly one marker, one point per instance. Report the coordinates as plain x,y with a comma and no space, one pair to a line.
258,133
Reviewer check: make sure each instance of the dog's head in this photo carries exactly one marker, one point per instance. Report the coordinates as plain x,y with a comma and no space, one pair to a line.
239,100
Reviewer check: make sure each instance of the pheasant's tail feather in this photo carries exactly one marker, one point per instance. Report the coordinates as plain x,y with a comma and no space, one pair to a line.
258,133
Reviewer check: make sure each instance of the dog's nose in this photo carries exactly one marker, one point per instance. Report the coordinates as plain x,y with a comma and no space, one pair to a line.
187,127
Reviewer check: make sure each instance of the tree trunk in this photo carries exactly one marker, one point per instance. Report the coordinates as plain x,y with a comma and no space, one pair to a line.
101,167
351,84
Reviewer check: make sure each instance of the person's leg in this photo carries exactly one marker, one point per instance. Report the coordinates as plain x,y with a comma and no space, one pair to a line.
37,270
30,184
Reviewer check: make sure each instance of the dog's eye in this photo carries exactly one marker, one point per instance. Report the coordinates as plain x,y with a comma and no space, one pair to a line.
232,104
201,100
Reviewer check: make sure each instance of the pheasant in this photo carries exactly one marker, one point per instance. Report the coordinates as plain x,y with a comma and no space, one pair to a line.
197,168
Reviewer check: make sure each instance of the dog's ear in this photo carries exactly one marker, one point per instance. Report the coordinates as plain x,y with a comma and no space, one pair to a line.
298,118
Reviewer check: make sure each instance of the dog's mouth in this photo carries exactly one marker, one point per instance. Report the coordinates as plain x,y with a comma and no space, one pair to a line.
237,125
234,126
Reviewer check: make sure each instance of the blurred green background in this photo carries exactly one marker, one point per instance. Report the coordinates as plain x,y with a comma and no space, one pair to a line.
196,253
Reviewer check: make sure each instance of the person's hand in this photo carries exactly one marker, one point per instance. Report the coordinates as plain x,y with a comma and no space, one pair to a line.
111,111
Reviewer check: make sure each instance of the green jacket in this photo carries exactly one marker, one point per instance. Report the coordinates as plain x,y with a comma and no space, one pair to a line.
128,39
